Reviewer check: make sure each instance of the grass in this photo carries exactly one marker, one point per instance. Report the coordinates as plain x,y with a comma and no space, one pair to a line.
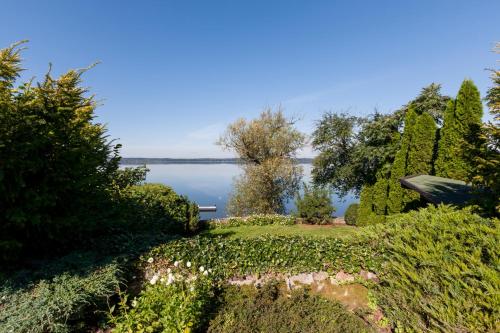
252,231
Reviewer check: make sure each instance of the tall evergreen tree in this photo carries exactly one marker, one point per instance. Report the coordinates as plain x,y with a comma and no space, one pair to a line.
365,210
460,130
380,195
398,170
420,154
486,171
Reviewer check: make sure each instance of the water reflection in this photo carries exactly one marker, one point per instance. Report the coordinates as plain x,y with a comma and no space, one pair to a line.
211,184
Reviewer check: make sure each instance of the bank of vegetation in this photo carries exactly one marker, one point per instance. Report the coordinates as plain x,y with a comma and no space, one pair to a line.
87,246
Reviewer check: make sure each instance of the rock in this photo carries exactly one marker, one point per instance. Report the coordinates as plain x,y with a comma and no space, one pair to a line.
344,277
320,276
366,275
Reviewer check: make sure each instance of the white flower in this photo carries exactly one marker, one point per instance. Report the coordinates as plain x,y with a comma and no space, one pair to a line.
202,269
188,264
205,273
170,279
169,270
150,260
134,303
154,279
162,280
210,270
191,288
176,264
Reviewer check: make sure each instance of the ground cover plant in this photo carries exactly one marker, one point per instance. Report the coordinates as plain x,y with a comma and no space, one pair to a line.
268,253
59,303
253,220
251,231
269,309
441,272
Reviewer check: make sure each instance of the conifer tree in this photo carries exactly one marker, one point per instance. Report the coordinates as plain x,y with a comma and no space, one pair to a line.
365,211
460,130
379,197
398,170
420,154
486,171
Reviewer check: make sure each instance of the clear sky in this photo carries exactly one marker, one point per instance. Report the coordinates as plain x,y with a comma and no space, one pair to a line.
173,74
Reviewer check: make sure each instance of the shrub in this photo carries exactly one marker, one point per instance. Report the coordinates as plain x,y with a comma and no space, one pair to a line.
258,219
57,304
267,310
441,272
176,301
57,162
315,206
351,214
158,206
293,254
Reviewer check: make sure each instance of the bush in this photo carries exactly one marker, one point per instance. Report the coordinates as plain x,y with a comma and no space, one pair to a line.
262,219
158,206
57,162
293,254
267,310
175,301
441,272
315,206
57,304
351,214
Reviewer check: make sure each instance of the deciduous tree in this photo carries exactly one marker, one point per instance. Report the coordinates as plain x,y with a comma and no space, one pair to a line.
267,147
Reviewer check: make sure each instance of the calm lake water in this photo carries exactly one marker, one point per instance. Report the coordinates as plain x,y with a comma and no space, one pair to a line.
211,184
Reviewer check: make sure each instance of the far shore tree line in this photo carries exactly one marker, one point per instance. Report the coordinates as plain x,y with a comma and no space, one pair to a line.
432,134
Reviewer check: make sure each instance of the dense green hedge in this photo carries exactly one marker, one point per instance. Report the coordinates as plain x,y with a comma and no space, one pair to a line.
157,206
442,271
229,257
256,219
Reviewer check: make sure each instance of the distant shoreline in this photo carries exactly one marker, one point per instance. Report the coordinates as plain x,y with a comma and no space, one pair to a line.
145,160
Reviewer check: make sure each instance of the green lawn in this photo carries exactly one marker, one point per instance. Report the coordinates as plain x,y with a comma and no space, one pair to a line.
293,230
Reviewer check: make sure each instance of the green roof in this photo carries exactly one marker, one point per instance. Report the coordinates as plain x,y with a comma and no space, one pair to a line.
438,189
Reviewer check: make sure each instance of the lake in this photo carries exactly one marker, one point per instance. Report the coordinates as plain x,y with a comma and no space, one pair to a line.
211,184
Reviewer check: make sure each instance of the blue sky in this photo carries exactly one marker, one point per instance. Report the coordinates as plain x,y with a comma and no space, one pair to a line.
173,74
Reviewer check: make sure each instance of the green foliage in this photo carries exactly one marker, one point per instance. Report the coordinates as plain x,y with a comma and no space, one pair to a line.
157,206
129,176
420,156
397,196
268,310
171,302
351,214
379,198
486,168
459,132
441,273
265,188
352,150
56,304
267,146
315,205
240,256
57,162
430,101
260,220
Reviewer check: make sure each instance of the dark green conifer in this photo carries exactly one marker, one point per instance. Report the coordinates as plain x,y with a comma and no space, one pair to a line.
460,130
398,170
